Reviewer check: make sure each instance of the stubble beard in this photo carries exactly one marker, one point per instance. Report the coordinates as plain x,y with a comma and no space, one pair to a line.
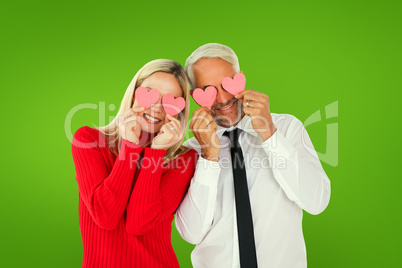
225,121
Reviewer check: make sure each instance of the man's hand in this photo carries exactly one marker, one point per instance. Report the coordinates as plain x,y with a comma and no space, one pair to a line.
204,129
256,105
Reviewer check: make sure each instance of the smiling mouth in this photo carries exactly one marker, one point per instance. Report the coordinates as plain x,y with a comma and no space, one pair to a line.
151,119
225,108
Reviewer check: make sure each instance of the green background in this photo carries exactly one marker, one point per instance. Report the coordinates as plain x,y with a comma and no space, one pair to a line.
303,54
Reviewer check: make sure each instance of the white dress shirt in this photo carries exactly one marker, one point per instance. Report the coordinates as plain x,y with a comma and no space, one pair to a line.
284,176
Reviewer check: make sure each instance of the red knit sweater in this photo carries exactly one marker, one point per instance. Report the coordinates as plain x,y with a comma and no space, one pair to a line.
126,203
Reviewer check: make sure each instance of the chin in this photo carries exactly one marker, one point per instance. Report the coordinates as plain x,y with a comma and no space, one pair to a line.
150,130
228,120
148,127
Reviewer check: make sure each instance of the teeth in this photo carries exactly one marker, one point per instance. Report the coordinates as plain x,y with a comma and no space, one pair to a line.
151,118
227,107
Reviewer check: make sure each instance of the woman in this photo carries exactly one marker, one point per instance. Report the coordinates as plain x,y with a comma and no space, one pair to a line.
133,173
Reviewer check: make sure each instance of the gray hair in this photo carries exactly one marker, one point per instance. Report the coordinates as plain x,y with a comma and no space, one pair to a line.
210,50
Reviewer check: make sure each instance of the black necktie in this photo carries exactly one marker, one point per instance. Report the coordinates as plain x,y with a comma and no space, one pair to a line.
245,229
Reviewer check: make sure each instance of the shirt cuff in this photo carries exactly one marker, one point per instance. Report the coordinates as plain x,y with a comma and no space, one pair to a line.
207,172
153,158
278,145
129,151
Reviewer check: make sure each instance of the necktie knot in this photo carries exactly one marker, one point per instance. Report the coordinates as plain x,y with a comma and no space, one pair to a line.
233,136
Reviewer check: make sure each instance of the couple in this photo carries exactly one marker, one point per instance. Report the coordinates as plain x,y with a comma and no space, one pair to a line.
238,188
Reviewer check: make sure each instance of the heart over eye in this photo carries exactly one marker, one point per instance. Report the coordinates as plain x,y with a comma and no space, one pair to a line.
205,98
236,85
146,98
173,105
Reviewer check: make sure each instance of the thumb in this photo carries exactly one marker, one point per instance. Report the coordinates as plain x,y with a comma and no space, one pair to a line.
169,118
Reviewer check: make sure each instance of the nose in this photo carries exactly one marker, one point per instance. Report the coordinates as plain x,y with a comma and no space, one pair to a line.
157,107
222,96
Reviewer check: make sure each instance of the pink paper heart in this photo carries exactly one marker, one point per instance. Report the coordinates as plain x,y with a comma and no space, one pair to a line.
205,98
236,85
173,105
146,98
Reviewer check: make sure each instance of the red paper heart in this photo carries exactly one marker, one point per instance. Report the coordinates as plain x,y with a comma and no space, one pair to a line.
146,98
236,85
205,98
173,105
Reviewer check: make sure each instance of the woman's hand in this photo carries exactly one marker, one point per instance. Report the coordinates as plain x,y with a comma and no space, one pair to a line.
129,127
170,134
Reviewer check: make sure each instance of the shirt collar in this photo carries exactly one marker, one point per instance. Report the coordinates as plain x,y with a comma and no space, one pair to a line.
244,124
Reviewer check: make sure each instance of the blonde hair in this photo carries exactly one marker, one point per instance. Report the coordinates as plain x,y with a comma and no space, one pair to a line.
210,50
161,65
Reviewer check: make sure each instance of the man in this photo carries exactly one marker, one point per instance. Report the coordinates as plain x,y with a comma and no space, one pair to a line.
257,171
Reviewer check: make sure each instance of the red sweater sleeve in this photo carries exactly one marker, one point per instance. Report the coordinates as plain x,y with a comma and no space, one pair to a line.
104,189
158,193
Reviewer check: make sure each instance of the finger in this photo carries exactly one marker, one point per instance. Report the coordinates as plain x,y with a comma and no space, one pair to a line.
193,122
168,125
194,118
176,124
244,92
210,119
127,113
250,92
167,119
208,125
174,130
172,118
253,104
168,130
196,115
163,129
202,115
178,129
207,120
252,111
199,119
132,124
241,94
124,121
137,109
253,97
202,110
195,126
197,111
131,118
204,121
132,111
